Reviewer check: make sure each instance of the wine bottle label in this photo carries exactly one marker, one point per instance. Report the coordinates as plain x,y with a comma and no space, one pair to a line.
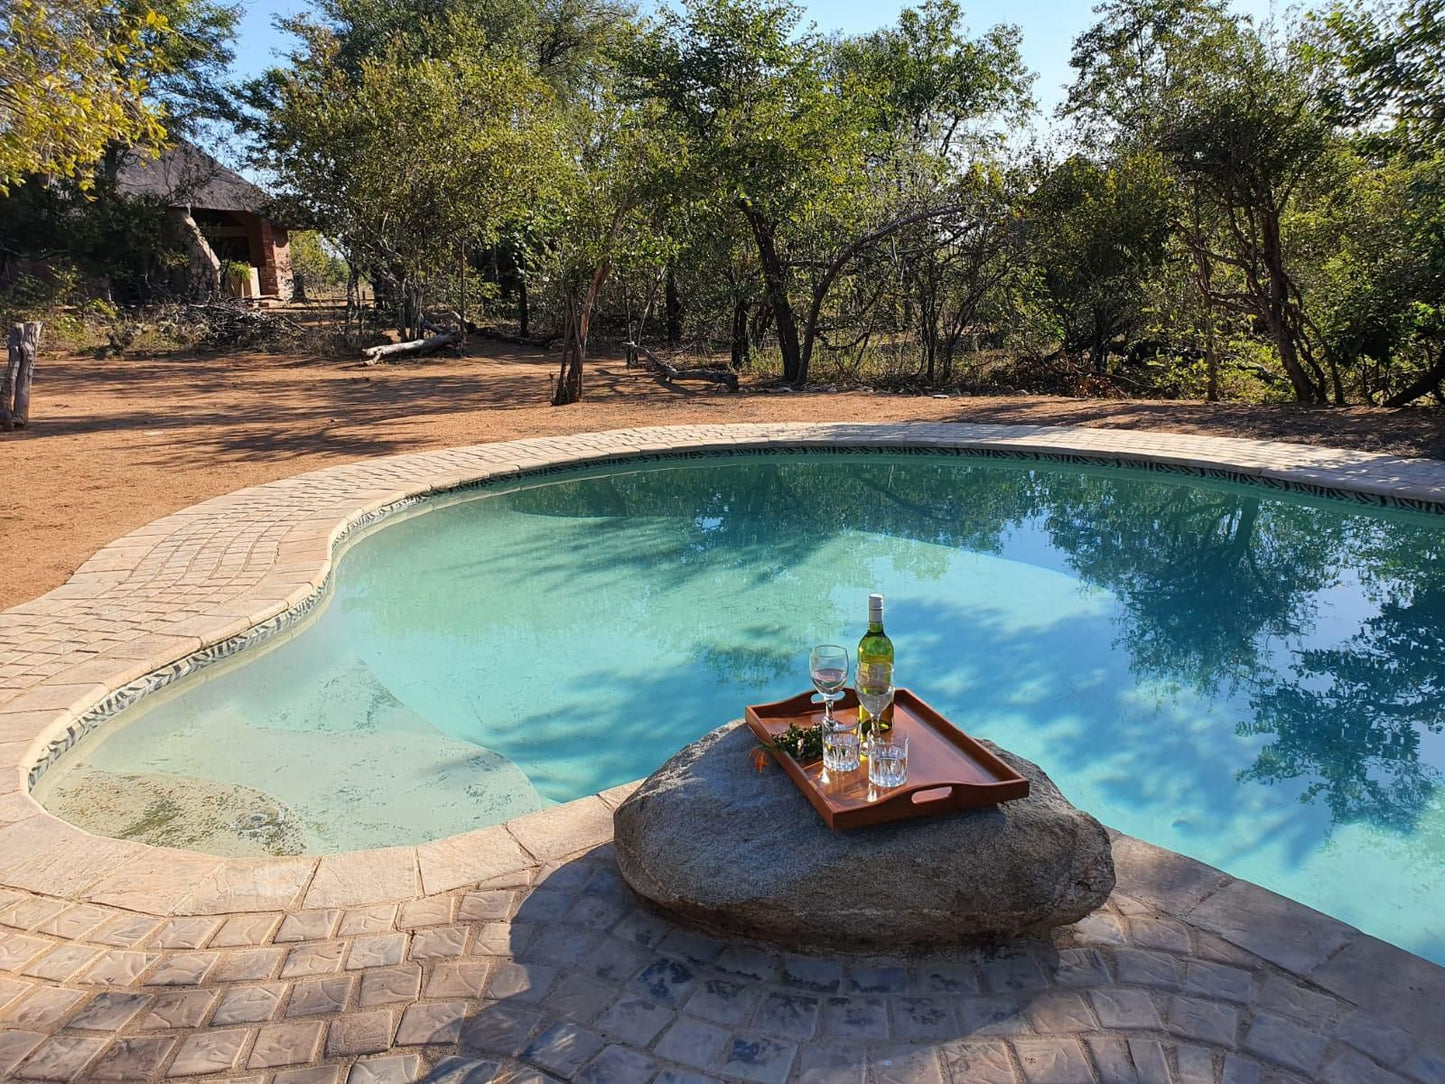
876,675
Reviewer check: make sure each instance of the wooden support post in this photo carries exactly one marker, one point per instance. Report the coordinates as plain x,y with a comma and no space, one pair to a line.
23,344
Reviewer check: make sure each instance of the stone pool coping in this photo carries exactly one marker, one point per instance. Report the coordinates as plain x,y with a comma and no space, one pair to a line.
206,575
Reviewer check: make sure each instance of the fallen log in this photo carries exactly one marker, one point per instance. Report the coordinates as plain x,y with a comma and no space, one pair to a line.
641,356
416,347
456,321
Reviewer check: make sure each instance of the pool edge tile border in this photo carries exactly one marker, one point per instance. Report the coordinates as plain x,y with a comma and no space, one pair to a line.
231,577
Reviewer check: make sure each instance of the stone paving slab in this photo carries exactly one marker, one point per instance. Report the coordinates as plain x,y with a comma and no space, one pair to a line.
515,953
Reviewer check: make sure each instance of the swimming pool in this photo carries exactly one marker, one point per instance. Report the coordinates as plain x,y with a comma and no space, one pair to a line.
1247,676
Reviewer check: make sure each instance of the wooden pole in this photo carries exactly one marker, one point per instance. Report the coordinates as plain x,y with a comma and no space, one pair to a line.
462,308
23,344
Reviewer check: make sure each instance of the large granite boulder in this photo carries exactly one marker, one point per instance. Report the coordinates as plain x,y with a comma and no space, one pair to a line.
714,843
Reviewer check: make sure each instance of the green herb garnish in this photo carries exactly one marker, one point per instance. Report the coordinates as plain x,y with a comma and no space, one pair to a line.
803,744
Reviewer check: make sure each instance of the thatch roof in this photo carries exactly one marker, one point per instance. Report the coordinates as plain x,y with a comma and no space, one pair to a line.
185,176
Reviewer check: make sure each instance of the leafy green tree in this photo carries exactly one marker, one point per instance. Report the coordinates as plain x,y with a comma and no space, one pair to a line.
1383,274
1098,234
937,92
79,78
1394,56
1244,121
610,198
69,85
1133,59
817,146
314,265
186,70
1374,254
745,92
403,161
1252,136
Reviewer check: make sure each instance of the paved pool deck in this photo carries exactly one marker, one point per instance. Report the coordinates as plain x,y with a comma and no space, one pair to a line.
514,953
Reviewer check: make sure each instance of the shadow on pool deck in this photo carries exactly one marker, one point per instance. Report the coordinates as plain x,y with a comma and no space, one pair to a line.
586,984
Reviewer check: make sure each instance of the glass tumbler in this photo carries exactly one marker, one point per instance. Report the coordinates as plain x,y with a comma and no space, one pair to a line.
888,761
840,748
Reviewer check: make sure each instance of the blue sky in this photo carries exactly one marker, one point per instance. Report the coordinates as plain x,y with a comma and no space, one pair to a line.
1049,27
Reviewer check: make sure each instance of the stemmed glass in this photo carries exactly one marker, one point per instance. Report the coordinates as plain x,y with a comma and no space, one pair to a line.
875,700
828,667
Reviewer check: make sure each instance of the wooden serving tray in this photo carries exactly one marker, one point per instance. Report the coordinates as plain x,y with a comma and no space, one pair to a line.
947,770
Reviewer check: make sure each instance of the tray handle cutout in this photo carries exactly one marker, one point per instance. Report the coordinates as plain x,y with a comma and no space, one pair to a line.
931,794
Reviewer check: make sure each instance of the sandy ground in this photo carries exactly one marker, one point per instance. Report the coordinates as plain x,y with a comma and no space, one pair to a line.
116,443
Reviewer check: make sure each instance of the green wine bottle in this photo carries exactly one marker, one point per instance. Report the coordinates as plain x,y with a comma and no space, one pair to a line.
875,664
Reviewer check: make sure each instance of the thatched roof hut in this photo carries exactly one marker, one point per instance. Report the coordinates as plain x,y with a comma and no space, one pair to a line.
229,219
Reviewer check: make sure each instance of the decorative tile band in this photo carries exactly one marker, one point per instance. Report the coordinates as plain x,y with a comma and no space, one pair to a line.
128,695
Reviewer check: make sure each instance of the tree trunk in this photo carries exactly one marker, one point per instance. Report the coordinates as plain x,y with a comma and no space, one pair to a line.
574,346
1277,315
740,333
353,301
928,320
1099,341
569,375
776,282
523,317
758,326
462,304
1427,382
1211,359
410,309
1204,278
24,342
673,304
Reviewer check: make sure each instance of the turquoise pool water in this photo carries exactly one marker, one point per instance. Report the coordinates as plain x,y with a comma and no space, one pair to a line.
1253,678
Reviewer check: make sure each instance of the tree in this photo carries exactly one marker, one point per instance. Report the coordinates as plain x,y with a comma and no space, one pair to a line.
187,69
744,90
1132,60
1374,259
1385,276
313,263
1394,57
1243,120
402,161
69,85
1251,136
813,145
931,84
1098,234
613,192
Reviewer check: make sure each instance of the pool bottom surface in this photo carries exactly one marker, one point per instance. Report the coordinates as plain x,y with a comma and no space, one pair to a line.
1235,674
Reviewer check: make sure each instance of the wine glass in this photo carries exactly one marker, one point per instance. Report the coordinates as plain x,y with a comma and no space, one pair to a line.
828,667
875,700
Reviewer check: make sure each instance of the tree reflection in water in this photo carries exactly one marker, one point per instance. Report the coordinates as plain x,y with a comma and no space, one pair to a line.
1220,588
